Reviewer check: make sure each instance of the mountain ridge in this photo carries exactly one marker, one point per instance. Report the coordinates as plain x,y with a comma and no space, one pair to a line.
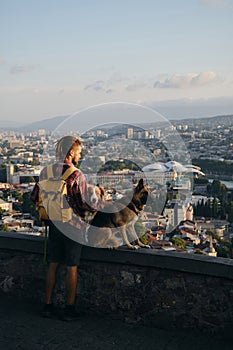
50,124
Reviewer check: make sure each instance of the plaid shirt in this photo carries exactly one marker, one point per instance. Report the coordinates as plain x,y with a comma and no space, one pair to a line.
77,192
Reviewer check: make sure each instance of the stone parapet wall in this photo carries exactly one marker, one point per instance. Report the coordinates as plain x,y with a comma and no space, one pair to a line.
161,289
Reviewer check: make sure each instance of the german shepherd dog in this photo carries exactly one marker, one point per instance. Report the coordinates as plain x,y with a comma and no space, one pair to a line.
119,218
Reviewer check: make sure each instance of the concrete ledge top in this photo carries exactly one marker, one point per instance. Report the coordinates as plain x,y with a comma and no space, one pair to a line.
198,264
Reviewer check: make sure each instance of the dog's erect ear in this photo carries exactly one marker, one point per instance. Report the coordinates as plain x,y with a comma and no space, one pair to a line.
140,184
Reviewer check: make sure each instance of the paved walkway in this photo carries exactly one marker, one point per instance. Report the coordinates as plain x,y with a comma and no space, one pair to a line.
23,328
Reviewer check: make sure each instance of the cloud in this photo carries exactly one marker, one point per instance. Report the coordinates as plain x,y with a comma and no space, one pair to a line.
22,68
118,82
99,85
108,91
136,86
163,81
178,81
96,86
205,78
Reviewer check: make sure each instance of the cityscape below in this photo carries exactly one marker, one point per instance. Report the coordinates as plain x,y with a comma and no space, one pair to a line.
187,165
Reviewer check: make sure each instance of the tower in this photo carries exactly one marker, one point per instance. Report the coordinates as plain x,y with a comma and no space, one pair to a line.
130,133
212,251
189,212
9,173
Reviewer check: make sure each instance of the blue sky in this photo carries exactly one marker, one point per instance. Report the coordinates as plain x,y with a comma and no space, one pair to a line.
57,57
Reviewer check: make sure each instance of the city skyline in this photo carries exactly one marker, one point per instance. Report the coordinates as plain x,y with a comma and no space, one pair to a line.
59,58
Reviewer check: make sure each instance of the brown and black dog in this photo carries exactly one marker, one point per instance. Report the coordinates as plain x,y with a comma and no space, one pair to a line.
95,200
119,218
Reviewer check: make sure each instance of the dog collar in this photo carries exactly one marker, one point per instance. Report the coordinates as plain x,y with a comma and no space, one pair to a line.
133,207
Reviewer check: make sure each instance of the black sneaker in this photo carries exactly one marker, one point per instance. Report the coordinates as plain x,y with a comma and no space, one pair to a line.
48,311
71,314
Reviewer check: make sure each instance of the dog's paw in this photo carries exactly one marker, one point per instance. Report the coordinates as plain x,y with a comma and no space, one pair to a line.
130,246
147,246
109,247
134,247
144,245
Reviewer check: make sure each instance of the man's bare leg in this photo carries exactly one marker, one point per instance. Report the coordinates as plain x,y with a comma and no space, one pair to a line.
71,284
50,281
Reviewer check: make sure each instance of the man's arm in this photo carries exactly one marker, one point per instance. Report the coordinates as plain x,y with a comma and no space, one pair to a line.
79,195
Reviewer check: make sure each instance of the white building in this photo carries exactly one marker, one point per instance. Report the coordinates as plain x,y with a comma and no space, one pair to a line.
5,205
175,211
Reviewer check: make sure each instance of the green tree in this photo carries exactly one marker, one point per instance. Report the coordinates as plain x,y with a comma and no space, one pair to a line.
223,252
230,212
27,179
27,205
144,239
35,162
202,180
214,167
180,242
17,195
215,188
5,227
214,208
199,208
207,210
2,173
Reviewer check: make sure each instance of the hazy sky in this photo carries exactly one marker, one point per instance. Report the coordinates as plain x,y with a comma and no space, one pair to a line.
58,56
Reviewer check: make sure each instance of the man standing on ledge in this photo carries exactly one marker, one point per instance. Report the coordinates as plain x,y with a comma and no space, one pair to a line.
62,249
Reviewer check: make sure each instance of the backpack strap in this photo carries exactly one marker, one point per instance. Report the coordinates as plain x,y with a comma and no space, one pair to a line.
50,171
68,172
64,176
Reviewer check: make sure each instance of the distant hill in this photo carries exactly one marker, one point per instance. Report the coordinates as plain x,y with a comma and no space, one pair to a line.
214,120
50,124
47,124
223,120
